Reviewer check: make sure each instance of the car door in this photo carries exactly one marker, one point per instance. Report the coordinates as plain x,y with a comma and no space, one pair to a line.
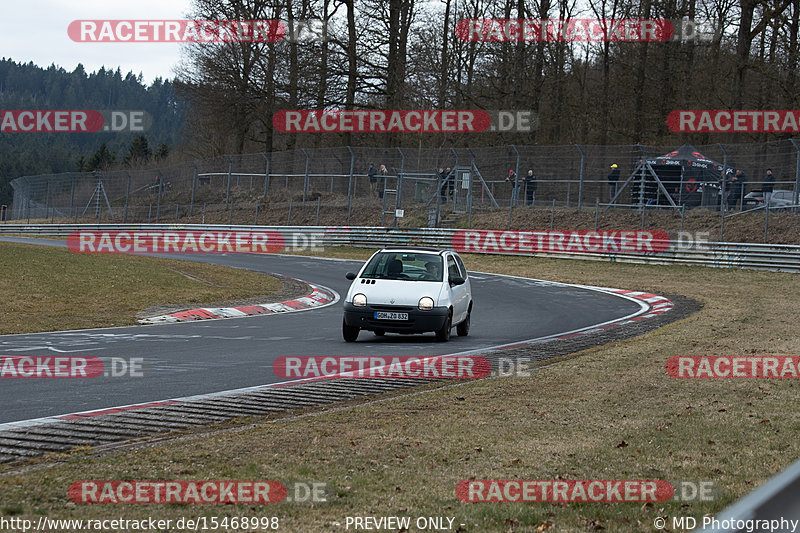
458,293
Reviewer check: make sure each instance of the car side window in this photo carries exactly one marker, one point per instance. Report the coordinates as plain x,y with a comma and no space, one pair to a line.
452,268
462,267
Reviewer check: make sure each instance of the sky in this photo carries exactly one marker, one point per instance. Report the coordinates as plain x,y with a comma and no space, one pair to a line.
36,30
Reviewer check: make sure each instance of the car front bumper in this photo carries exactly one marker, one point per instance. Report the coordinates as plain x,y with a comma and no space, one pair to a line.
418,321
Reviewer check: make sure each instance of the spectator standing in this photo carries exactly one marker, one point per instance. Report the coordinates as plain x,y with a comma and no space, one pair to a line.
530,188
442,177
613,178
451,178
382,185
512,179
446,184
735,188
373,180
766,188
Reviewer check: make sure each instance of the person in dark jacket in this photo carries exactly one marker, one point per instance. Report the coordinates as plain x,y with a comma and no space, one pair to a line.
530,188
735,188
512,179
766,188
613,178
444,184
382,173
373,180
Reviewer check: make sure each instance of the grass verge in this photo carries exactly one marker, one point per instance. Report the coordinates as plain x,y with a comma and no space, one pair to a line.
611,413
47,289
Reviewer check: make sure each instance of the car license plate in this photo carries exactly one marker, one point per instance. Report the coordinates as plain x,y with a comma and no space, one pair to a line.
385,315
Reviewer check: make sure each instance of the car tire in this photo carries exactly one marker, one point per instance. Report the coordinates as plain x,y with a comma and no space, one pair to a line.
443,334
350,333
463,328
379,332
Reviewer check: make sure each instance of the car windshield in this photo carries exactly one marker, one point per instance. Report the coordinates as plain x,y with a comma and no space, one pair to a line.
404,265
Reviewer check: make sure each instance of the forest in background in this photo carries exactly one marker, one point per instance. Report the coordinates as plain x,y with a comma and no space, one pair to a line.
405,54
27,86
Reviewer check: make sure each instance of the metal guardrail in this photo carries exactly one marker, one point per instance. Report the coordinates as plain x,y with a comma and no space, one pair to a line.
774,257
775,502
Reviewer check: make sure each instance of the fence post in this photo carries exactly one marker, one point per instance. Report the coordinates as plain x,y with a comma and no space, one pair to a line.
471,176
204,213
194,189
399,187
47,200
319,198
177,207
515,190
644,214
766,221
796,199
266,175
160,191
255,220
580,186
552,214
72,196
305,181
149,212
289,218
228,188
723,201
596,212
127,198
230,214
350,184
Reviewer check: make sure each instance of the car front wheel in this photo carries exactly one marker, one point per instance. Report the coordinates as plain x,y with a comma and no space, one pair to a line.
350,333
443,334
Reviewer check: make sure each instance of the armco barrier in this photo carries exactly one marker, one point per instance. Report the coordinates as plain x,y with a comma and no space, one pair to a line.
775,257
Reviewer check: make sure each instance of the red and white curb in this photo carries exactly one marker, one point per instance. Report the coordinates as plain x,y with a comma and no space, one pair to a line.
657,305
319,297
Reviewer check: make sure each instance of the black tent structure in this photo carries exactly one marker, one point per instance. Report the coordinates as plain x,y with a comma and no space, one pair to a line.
682,177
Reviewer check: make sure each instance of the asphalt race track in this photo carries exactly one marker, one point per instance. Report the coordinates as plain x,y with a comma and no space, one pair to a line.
192,358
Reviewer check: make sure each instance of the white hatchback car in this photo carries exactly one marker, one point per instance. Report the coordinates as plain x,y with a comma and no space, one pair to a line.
409,290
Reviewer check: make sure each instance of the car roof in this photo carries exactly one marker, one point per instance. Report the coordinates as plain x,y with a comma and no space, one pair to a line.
412,249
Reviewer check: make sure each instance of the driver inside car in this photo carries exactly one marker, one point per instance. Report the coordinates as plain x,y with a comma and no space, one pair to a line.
433,270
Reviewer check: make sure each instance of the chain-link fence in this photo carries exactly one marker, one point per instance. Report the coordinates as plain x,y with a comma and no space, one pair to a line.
424,180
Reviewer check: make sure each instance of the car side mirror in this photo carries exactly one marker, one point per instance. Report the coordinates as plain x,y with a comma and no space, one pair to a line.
457,280
350,275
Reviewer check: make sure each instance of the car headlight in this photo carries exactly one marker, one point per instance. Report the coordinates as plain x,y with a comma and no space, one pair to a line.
359,300
426,303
